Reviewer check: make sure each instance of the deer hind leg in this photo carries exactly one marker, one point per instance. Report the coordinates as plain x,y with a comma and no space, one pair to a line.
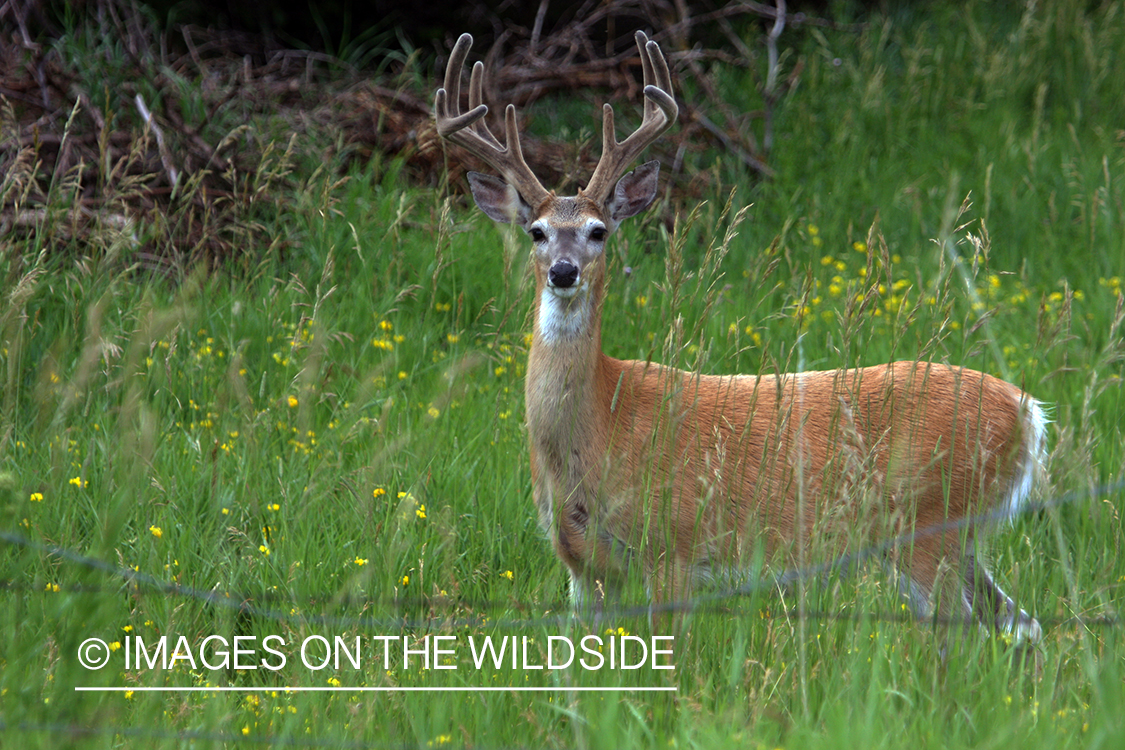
933,581
958,591
932,589
994,607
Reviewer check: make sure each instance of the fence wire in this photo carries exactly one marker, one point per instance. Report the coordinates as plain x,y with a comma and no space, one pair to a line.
710,602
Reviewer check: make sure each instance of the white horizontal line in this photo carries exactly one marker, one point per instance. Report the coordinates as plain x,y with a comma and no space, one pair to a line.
385,689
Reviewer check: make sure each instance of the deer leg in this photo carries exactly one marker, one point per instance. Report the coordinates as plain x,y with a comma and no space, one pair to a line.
596,562
587,596
963,597
932,590
994,607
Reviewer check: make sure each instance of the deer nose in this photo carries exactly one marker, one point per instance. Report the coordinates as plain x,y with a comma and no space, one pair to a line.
563,274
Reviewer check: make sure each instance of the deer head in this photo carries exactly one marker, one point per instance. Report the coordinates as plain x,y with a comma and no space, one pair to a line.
568,233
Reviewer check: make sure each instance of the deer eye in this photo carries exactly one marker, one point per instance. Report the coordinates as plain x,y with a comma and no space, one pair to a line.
537,234
598,234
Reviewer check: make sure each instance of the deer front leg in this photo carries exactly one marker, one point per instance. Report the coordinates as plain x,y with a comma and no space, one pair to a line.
592,596
595,570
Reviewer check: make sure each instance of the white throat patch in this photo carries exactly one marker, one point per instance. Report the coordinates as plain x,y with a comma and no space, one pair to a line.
562,319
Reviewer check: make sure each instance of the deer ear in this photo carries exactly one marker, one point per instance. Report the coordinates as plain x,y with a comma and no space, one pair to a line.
634,192
499,200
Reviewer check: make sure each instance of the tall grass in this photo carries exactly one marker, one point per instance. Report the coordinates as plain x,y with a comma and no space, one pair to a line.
330,442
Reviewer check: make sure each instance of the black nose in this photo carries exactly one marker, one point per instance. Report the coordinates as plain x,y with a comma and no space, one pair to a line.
563,273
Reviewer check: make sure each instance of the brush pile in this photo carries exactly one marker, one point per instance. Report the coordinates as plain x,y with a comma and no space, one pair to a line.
146,133
591,55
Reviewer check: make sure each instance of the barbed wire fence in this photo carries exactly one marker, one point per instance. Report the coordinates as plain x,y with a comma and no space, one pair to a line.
702,604
842,564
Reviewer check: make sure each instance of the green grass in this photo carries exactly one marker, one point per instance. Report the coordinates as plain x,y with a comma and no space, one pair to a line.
333,434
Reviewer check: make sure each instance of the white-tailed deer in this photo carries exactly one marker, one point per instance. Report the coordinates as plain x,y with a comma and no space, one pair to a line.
687,477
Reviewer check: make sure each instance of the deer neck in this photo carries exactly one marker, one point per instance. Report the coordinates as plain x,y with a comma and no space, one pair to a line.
564,369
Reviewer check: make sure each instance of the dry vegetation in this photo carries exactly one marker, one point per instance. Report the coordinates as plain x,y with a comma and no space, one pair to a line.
151,128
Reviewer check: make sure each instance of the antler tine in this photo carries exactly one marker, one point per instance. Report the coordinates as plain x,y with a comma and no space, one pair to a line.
447,123
660,112
476,99
455,65
470,131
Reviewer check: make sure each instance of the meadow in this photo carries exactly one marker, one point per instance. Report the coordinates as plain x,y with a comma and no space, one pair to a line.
323,441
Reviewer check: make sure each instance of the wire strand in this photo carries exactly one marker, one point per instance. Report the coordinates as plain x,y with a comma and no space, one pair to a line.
711,602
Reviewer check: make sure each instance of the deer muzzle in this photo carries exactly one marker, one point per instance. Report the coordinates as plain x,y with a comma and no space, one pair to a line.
562,274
